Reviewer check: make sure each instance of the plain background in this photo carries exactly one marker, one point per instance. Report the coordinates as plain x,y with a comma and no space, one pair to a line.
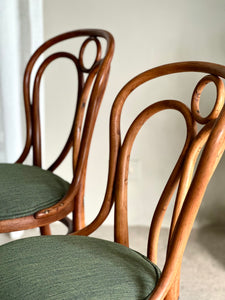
147,33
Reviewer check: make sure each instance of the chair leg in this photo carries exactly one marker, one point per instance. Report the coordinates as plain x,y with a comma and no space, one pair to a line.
45,230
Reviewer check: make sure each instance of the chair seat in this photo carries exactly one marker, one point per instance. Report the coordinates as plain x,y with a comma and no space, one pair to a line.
74,267
26,189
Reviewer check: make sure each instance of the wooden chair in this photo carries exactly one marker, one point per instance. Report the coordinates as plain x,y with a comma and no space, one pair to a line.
82,267
29,195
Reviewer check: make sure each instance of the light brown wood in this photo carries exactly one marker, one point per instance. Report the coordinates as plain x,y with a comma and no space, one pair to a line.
92,82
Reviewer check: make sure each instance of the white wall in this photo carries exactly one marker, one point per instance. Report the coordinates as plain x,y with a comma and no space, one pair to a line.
21,33
147,33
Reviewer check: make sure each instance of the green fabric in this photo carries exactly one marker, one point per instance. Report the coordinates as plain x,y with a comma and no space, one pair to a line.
26,189
74,267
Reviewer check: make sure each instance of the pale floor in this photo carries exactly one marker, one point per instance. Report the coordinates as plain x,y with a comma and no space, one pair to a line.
203,269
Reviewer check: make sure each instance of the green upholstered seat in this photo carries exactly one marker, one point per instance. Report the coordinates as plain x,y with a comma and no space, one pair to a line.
74,267
26,189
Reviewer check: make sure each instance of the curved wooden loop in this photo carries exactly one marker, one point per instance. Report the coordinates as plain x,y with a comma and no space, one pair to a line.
29,69
97,57
197,94
35,107
121,223
173,68
90,119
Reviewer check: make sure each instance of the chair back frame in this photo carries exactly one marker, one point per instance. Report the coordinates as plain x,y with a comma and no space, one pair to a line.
191,188
92,82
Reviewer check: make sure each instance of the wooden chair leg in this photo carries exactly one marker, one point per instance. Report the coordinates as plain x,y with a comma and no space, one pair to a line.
45,230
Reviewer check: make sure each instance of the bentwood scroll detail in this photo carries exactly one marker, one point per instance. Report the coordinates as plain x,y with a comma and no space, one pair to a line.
196,99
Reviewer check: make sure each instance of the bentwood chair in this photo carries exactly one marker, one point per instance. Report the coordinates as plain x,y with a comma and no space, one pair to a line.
82,267
31,196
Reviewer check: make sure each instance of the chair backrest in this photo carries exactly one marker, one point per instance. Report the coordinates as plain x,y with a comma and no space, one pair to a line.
90,89
190,176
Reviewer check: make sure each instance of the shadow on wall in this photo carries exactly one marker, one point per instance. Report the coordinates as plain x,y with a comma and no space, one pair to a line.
212,210
211,217
212,238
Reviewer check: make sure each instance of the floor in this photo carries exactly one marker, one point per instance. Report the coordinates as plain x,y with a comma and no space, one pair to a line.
203,268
